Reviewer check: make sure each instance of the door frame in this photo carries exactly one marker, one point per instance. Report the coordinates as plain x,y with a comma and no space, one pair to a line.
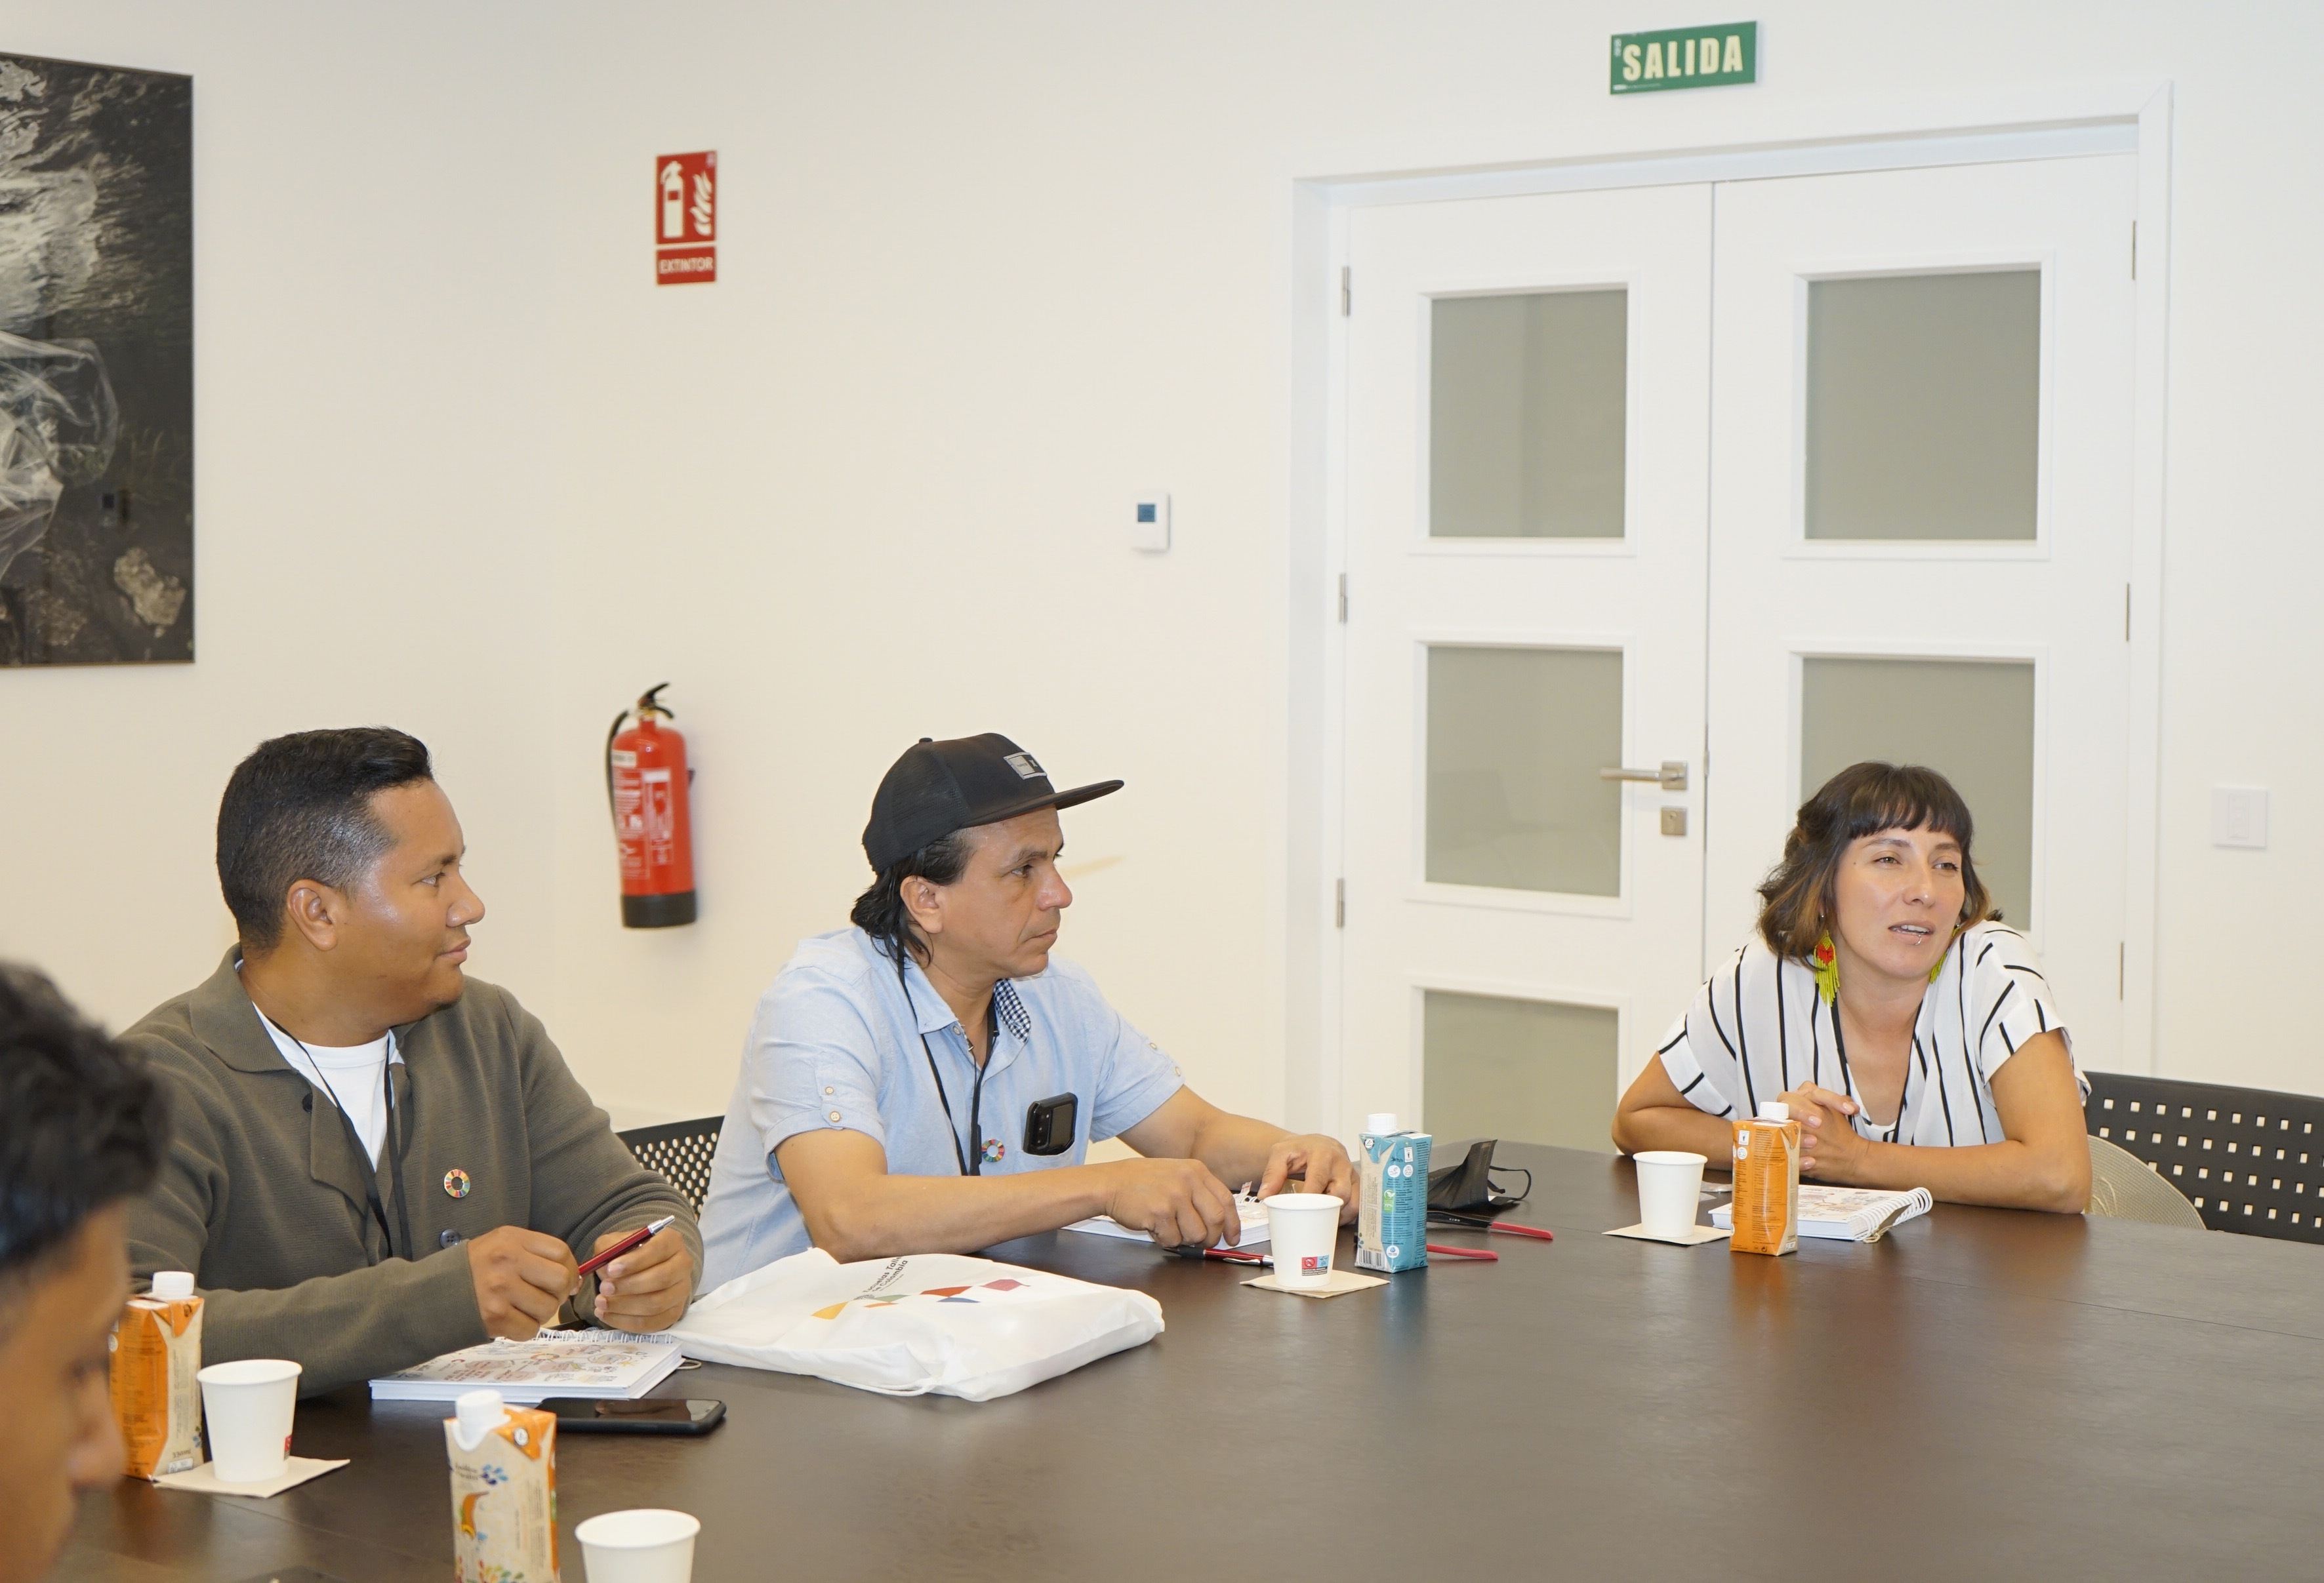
1814,140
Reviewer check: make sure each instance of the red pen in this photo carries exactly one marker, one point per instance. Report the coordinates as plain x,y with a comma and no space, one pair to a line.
1478,1223
634,1240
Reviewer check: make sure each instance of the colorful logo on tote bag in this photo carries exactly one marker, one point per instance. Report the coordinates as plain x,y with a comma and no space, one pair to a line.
941,1293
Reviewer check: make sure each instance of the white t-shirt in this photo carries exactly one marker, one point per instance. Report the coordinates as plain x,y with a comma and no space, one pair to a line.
1758,1029
357,1075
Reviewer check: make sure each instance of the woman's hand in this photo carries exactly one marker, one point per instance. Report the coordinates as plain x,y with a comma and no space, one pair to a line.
1831,1150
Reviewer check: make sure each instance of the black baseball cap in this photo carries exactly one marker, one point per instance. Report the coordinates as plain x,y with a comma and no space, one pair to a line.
938,788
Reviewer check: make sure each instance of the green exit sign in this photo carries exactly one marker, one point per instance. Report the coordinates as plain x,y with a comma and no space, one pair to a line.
1686,58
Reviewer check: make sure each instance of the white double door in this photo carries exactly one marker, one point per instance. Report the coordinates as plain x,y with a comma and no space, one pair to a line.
1728,486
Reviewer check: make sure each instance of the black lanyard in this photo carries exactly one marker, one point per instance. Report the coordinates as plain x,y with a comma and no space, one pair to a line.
396,1142
971,1165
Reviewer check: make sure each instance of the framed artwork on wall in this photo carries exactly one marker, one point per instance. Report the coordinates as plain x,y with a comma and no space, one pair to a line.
97,364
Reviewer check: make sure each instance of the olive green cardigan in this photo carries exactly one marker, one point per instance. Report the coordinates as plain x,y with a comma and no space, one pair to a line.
265,1196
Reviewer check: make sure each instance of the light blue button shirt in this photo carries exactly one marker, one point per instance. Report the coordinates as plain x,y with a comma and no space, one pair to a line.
835,1045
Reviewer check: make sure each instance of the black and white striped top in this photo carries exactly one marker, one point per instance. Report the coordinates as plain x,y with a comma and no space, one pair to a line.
1758,1029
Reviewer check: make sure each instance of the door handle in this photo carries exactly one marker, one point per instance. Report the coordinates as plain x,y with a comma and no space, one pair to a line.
1670,776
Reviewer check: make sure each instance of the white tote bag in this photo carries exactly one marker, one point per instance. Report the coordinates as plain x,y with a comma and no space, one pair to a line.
927,1322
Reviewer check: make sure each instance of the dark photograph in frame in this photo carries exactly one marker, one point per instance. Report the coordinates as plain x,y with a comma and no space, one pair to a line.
97,364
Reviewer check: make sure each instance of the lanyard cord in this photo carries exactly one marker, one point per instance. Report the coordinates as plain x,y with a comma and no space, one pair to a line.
394,1136
970,1165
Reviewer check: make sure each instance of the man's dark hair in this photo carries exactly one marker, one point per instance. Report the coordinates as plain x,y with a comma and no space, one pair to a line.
881,912
1861,800
81,1124
300,808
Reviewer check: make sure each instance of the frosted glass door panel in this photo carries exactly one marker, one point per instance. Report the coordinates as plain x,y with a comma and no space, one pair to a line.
1516,739
1526,415
1923,406
1971,721
1528,1070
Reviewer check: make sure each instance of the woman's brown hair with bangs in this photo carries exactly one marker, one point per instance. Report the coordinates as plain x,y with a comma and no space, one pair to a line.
1863,799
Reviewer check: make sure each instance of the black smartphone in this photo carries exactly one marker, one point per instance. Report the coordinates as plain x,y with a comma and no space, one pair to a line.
647,1415
1049,1124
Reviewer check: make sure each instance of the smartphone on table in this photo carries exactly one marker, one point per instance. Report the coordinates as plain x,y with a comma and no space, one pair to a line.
647,1415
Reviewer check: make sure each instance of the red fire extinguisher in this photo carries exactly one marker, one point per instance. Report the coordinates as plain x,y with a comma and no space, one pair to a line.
646,782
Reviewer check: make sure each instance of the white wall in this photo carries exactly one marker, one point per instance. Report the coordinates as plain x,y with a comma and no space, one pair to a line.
369,413
986,271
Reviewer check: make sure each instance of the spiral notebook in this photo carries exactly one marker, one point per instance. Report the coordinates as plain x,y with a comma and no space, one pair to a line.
1250,1212
1847,1214
606,1364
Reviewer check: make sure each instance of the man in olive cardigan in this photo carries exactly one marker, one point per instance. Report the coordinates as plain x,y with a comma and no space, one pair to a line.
373,1160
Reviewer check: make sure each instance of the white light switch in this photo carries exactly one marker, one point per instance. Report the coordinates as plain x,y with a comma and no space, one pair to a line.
1149,522
2239,815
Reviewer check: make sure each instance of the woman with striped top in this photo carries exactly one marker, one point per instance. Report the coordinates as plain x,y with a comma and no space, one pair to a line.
1881,997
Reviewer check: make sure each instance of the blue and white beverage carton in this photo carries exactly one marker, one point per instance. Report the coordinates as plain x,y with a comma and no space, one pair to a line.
1392,1201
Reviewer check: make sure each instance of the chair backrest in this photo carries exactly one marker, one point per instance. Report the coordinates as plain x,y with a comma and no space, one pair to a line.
681,1152
2252,1160
2124,1187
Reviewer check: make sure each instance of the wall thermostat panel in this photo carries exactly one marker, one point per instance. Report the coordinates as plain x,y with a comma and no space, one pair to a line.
1149,522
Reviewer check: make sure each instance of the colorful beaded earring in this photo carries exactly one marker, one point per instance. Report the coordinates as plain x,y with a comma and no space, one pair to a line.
1826,962
1946,953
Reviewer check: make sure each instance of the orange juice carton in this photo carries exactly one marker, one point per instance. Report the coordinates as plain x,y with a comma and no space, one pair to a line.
157,1350
1391,1196
1767,1182
504,1491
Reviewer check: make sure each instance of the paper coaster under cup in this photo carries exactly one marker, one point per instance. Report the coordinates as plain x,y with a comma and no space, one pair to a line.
1339,1283
205,1479
1695,1235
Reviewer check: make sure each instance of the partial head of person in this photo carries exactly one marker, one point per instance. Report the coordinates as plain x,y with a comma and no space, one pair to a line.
964,839
340,860
1876,875
81,1131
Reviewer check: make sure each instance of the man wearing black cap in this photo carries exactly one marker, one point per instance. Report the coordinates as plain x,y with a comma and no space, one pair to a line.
929,1081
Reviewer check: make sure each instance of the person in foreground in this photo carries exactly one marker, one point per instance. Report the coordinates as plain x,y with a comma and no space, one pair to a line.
81,1131
884,1105
374,1161
1911,1033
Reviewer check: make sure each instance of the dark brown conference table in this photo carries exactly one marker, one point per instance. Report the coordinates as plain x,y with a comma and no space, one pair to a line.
1986,1394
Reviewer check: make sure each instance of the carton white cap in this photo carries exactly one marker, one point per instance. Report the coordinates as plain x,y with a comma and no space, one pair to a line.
1380,1121
479,1412
169,1285
1774,1111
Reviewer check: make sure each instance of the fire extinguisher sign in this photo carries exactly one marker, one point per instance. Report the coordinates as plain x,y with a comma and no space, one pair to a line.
685,219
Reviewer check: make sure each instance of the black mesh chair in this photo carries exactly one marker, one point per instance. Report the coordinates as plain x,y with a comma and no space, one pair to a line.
2251,1160
681,1152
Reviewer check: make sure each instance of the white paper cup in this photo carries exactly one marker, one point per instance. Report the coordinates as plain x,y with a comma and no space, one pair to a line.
648,1545
1670,1191
247,1408
1303,1233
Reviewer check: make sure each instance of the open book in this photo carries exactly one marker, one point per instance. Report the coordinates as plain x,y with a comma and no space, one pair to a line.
1249,1212
1847,1214
605,1364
